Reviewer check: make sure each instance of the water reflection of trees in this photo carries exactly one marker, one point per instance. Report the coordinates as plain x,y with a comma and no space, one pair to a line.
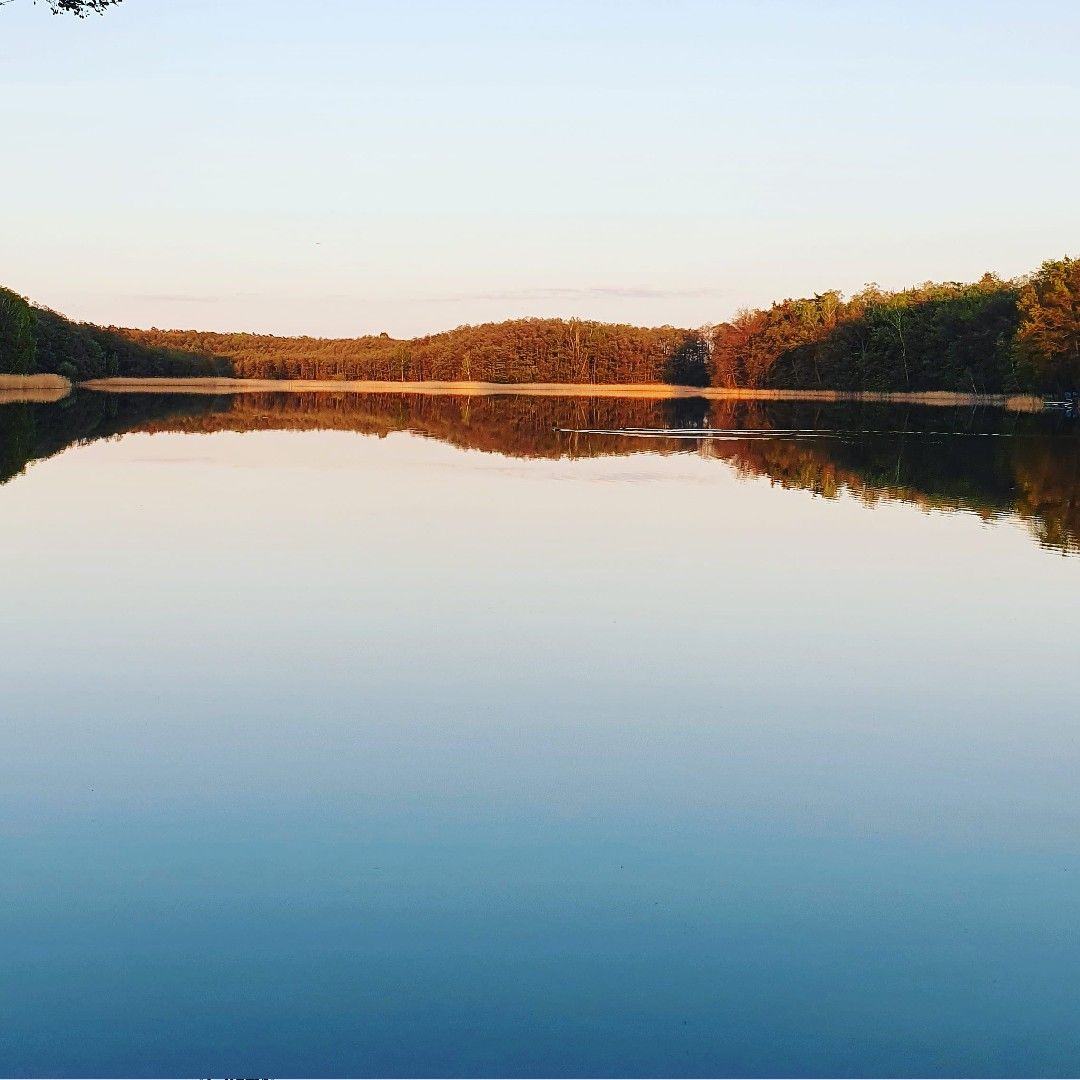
31,431
946,459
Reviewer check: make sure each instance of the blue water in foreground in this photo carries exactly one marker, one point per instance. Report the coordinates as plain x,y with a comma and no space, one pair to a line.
325,754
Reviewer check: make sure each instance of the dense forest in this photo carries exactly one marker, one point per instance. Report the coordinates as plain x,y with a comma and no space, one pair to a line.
991,336
35,340
520,350
876,453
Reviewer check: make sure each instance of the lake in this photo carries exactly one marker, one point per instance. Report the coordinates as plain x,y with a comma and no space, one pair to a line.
401,735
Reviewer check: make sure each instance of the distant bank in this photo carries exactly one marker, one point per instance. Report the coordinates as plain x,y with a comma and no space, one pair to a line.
982,341
51,388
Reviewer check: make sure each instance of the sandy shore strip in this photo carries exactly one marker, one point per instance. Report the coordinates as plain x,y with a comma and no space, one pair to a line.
34,389
1019,403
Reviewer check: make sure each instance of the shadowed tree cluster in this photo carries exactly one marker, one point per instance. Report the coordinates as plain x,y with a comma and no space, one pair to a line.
16,334
81,351
934,337
38,341
992,336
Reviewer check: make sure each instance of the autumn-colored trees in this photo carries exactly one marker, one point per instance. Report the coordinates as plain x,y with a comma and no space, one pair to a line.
933,337
1048,339
990,336
951,336
520,350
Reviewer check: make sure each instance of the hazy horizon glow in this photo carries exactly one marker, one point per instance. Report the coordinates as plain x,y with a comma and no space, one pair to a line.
341,168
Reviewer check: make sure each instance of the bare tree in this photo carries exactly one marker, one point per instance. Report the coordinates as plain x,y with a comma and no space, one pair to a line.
79,8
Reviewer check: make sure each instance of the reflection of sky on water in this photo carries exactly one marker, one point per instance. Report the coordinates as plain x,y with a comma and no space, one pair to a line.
327,754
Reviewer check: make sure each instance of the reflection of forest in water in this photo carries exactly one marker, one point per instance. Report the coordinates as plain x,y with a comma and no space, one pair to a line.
948,459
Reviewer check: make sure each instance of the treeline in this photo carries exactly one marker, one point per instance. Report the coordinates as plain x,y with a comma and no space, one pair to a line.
16,335
992,336
520,350
81,351
35,340
934,337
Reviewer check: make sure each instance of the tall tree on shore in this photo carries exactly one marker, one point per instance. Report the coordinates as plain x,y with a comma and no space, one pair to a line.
1049,334
16,334
691,363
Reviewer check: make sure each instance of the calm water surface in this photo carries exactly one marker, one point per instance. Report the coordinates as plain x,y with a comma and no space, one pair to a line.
433,737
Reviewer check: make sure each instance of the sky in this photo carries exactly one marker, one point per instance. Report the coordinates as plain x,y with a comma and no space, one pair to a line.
338,167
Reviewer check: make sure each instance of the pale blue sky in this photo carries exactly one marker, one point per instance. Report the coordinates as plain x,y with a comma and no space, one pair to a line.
339,167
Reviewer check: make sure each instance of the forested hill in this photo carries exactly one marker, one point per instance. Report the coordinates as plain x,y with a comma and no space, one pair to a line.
991,336
520,350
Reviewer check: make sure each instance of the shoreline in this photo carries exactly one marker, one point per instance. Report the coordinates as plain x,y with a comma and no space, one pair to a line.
658,391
